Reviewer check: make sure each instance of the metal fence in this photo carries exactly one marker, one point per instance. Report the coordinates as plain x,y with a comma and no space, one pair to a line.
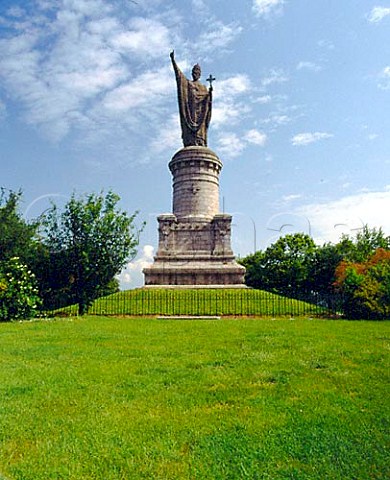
207,302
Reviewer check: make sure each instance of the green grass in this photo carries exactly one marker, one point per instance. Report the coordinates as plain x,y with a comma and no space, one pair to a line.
107,398
227,302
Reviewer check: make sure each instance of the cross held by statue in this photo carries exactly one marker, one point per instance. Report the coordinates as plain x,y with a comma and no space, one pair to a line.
210,80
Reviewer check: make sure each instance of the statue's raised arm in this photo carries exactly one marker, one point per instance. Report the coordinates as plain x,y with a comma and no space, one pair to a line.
172,55
195,102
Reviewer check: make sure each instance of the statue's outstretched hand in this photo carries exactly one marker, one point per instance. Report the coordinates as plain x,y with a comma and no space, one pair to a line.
172,55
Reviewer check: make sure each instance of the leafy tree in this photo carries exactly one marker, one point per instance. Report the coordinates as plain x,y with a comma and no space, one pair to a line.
16,235
322,268
254,275
295,266
83,248
365,243
284,266
352,249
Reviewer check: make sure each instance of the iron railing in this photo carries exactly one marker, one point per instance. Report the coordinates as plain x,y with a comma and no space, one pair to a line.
207,302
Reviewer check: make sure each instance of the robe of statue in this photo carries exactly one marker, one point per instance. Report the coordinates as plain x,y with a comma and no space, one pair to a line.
194,107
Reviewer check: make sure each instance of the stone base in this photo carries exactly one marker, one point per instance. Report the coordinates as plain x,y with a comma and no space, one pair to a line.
195,273
194,252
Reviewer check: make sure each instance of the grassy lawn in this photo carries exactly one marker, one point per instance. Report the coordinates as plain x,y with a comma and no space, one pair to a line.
120,398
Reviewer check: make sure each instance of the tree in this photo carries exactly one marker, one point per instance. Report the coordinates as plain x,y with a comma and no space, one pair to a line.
323,266
284,266
254,275
351,249
16,235
18,289
83,248
295,266
365,243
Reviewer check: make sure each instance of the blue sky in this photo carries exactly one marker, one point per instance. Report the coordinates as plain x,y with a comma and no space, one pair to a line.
300,115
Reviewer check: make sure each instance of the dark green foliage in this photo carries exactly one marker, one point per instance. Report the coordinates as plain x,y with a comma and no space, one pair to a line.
254,275
365,243
321,276
283,267
84,247
296,267
18,293
16,235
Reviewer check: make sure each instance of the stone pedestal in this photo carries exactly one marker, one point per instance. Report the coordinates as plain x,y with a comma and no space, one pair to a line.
195,240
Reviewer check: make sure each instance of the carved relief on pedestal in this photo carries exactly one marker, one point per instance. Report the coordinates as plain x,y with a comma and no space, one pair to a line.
166,232
221,234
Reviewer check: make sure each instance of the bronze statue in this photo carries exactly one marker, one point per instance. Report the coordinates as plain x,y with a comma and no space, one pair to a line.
194,105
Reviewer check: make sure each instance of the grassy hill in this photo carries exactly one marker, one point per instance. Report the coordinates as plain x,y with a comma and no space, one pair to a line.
105,398
198,302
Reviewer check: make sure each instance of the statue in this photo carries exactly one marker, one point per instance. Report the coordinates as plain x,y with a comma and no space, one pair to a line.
194,105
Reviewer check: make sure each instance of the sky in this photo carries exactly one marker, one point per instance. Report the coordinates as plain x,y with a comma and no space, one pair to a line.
300,109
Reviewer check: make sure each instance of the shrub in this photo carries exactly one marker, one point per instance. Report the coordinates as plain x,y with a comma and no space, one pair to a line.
366,286
18,291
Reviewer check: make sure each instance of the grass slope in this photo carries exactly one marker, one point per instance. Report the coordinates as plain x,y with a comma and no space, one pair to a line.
199,302
106,398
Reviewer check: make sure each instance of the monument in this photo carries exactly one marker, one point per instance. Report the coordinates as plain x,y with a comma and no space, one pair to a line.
194,246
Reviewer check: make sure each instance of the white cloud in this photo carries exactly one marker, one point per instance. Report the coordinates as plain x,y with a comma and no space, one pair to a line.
348,214
291,197
86,7
263,99
230,145
386,72
227,113
3,110
217,37
276,119
377,14
87,76
326,44
311,66
227,107
274,76
265,8
256,137
306,138
55,84
199,5
144,37
233,86
147,88
384,79
15,11
132,276
168,137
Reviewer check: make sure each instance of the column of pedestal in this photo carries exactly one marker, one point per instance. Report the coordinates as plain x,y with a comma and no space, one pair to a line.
195,172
